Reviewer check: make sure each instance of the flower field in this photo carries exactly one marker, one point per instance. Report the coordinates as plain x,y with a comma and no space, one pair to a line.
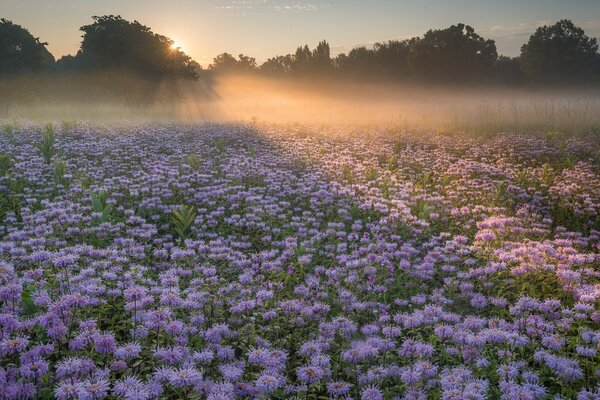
226,261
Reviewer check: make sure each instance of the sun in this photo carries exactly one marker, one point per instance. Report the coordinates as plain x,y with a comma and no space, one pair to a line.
175,46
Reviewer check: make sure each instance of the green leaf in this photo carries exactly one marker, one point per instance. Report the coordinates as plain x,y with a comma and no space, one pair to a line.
27,303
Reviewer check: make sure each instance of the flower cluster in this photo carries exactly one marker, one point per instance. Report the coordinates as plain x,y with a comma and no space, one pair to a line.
232,261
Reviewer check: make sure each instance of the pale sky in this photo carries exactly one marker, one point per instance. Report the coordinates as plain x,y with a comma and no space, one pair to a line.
264,28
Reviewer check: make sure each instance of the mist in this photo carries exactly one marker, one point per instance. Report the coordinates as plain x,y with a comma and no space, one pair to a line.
260,100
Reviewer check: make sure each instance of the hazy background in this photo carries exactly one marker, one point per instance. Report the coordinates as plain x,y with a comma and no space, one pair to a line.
280,101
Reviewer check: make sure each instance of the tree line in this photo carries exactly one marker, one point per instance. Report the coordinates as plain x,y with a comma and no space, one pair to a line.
559,53
118,52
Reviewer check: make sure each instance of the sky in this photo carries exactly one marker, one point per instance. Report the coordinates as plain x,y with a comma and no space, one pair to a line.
264,28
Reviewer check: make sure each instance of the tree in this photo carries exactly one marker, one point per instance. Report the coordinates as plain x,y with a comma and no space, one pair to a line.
357,64
387,60
246,63
453,54
113,43
279,65
225,63
20,51
130,61
507,70
321,62
560,52
302,59
21,55
312,62
391,58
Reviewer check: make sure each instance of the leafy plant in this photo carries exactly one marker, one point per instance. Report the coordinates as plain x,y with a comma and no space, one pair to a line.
8,204
47,146
9,130
371,173
253,180
348,173
183,219
220,144
6,163
392,164
60,170
68,126
100,206
27,303
398,146
194,161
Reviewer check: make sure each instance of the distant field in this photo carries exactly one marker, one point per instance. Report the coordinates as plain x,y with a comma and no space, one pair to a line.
320,260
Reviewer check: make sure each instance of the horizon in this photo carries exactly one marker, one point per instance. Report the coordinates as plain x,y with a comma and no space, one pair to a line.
261,28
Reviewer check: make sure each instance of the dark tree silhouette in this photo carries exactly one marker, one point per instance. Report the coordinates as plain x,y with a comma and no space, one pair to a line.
383,61
129,59
225,63
20,51
560,53
453,54
303,63
22,56
112,42
320,61
391,58
279,65
302,59
507,70
357,64
315,62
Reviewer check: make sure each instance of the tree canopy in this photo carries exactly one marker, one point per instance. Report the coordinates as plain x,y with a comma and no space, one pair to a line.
226,63
454,53
560,52
112,42
20,51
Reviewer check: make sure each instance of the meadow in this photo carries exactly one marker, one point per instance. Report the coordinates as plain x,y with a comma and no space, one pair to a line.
252,260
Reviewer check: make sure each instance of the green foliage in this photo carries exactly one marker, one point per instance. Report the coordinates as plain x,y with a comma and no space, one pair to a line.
47,146
194,161
565,216
422,210
560,52
502,196
8,204
99,205
27,304
220,144
253,181
425,181
371,173
398,146
68,126
60,170
20,51
454,53
392,164
537,284
9,130
6,163
183,220
348,173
